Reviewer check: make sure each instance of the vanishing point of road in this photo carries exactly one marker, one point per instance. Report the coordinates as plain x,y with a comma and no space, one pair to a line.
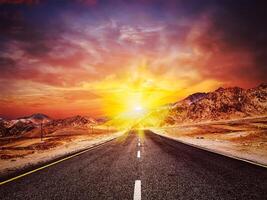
143,167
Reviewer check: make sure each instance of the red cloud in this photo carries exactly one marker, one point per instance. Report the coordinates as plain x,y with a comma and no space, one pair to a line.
83,51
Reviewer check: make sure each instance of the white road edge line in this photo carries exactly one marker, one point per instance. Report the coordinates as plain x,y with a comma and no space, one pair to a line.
138,154
137,190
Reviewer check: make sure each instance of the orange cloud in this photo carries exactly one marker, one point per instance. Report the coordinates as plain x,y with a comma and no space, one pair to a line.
85,62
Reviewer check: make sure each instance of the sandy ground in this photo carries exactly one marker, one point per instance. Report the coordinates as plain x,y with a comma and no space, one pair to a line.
20,153
243,138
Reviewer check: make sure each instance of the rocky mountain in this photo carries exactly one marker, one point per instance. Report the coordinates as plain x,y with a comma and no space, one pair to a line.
3,129
11,128
20,128
195,97
26,124
22,125
76,121
37,118
223,103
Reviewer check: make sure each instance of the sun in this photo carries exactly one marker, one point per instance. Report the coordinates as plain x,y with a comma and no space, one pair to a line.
132,97
138,111
133,111
138,108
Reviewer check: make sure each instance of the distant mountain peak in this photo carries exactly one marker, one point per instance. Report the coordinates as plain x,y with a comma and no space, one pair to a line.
25,125
38,116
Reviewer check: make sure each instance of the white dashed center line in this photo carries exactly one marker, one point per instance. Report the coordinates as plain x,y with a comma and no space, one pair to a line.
138,154
137,190
137,184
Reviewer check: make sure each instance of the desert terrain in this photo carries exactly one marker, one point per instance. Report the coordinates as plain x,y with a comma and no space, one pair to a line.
29,149
242,138
230,121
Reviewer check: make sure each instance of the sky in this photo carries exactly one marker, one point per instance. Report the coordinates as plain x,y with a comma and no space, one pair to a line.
101,58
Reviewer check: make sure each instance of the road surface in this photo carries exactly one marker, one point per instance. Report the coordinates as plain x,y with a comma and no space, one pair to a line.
157,168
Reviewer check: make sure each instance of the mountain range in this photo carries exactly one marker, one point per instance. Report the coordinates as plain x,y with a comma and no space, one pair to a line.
221,104
25,124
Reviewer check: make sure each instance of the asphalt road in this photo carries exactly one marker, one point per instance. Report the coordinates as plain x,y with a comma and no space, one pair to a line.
166,169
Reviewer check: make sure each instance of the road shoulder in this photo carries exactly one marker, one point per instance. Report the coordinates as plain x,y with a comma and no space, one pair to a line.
231,154
10,169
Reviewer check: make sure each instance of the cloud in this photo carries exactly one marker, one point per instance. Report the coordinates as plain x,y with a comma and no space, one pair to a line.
225,53
185,44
